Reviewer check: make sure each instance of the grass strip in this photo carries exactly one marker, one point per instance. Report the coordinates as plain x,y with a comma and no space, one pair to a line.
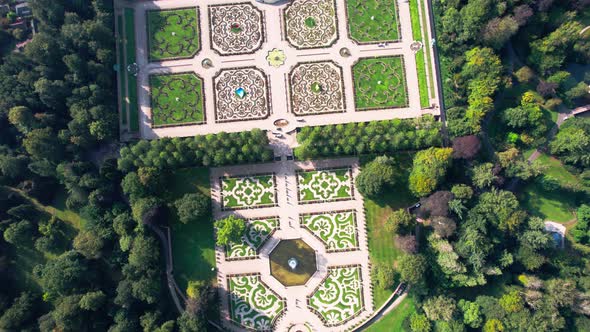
420,64
427,47
121,60
422,84
131,79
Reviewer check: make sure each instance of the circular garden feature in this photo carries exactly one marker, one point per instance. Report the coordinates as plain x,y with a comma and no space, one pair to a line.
286,251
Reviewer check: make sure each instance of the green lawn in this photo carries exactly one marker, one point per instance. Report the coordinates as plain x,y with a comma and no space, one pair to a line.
420,64
193,245
177,99
557,205
394,319
131,79
422,84
372,21
427,48
381,245
379,83
173,34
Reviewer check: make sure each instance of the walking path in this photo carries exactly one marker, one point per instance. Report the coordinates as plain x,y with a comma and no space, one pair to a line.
279,94
288,211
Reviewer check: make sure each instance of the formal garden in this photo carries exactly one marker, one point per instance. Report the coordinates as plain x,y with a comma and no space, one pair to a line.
177,99
373,21
252,303
173,34
316,88
236,28
248,192
325,185
241,94
339,298
337,230
380,83
311,23
257,233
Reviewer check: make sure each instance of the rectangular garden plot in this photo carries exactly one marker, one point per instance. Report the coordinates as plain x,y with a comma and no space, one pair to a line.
248,192
337,230
177,99
372,21
173,34
258,231
380,83
325,185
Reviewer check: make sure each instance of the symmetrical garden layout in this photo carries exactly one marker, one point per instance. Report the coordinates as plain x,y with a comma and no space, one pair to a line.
199,65
316,216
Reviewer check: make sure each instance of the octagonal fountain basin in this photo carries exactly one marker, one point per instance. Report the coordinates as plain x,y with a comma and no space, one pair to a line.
281,123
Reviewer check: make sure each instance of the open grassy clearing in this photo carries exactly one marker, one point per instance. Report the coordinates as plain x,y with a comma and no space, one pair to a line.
177,99
393,320
193,244
172,34
558,205
382,248
379,83
373,21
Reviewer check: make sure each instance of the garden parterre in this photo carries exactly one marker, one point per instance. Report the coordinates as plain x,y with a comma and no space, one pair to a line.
257,232
226,44
337,230
325,238
252,303
177,99
325,185
248,192
173,34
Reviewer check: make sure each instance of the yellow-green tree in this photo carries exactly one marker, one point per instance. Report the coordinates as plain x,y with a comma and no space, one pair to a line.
429,168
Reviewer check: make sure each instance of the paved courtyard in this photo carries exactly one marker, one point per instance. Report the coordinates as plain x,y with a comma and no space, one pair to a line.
221,65
314,203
